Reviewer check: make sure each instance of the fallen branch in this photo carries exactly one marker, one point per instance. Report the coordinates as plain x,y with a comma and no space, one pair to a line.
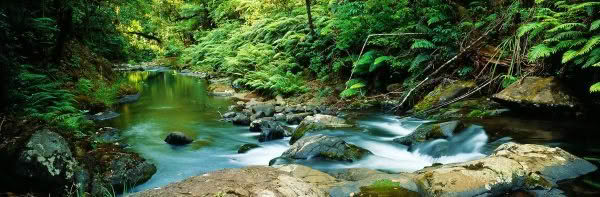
3,119
145,35
445,64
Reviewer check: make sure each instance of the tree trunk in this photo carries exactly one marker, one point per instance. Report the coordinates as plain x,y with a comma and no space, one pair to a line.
310,22
65,24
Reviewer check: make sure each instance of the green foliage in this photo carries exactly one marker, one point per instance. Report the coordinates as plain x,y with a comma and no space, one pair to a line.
46,100
595,88
356,87
565,29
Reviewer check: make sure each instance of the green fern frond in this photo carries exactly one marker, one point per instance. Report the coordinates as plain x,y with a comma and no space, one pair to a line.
568,56
595,88
595,25
566,26
523,30
565,36
589,46
540,51
422,44
418,60
380,61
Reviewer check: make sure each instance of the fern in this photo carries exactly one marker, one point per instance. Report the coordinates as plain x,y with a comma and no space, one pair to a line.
595,88
595,25
540,51
422,44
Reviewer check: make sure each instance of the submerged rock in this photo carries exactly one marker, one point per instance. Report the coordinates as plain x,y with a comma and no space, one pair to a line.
511,167
325,147
318,122
129,98
107,135
247,147
248,181
443,93
178,138
107,115
47,159
538,92
430,131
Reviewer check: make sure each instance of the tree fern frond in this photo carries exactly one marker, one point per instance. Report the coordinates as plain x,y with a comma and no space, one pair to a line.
595,88
564,36
528,28
423,57
540,51
422,44
595,25
566,26
568,56
589,46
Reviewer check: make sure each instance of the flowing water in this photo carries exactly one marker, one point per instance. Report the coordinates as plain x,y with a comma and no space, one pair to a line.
172,102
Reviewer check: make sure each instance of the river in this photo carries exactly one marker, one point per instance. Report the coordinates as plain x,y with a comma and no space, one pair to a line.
173,102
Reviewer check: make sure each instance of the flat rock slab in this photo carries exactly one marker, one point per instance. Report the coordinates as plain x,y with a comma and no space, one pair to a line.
511,167
538,92
248,181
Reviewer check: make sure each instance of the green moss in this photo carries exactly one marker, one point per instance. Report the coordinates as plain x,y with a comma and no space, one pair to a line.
247,147
534,181
352,153
477,166
385,187
441,93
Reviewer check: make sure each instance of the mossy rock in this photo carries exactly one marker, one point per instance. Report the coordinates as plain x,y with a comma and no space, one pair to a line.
385,187
325,147
316,123
431,131
247,147
535,92
469,108
442,93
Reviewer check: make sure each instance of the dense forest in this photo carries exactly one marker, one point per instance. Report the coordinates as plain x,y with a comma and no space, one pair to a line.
59,58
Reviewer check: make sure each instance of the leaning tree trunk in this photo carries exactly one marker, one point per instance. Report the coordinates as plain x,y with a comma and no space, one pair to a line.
310,21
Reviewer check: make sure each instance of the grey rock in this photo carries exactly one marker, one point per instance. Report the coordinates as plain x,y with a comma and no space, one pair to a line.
129,98
266,108
297,118
325,147
107,135
47,159
107,115
178,138
229,115
247,147
241,119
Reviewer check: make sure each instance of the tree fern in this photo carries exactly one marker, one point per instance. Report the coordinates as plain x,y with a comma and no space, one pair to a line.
595,25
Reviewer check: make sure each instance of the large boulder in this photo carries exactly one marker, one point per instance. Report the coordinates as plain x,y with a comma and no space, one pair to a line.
178,138
443,93
510,167
271,130
47,159
325,147
547,92
466,109
318,122
248,181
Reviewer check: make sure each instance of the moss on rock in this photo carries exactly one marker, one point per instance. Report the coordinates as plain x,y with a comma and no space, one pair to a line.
385,187
443,93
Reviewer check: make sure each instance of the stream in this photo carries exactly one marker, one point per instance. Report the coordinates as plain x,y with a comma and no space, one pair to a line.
173,102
